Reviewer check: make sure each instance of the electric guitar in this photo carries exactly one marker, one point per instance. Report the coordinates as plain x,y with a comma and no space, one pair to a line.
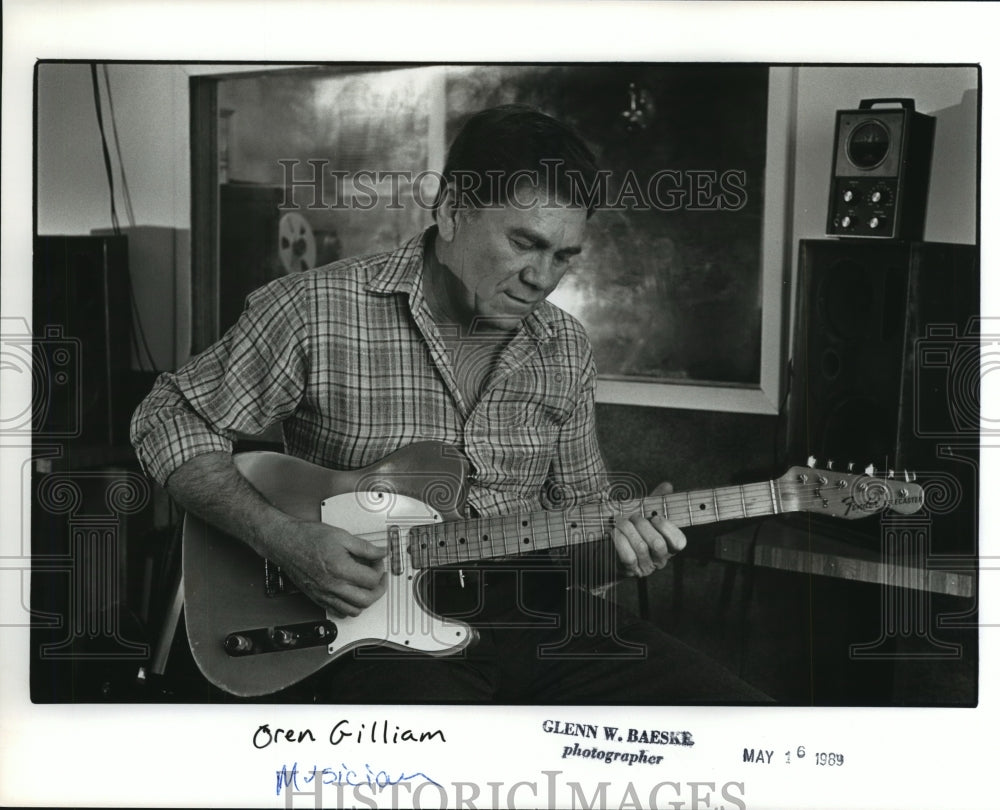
252,632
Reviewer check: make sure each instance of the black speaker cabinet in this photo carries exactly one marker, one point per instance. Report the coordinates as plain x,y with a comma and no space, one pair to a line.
881,169
81,320
885,359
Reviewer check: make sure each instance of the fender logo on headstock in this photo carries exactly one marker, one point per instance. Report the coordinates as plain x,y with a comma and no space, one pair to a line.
878,504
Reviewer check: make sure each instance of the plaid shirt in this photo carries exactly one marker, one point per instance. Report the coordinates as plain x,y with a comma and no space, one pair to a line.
348,359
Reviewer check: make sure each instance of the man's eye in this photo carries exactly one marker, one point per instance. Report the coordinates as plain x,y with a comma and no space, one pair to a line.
521,244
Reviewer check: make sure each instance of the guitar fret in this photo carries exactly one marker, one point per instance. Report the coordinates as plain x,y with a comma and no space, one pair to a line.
526,532
462,541
500,536
500,532
516,533
764,499
451,545
439,543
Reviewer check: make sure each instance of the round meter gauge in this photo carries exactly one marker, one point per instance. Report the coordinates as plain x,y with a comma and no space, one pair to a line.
868,144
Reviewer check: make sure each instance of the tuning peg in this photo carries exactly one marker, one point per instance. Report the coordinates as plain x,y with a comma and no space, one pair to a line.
850,466
892,474
910,477
811,461
870,469
829,463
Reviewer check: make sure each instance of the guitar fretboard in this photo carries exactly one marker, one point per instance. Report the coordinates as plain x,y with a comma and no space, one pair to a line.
487,538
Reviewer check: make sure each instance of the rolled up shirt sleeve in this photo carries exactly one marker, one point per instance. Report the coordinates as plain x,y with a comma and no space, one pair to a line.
252,378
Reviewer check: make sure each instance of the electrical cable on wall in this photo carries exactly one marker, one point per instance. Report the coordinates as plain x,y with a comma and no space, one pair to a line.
145,355
126,193
130,215
104,148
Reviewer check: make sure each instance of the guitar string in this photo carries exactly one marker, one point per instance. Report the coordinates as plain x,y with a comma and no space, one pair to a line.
730,499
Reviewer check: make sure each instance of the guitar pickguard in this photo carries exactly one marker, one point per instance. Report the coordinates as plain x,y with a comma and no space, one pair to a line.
399,619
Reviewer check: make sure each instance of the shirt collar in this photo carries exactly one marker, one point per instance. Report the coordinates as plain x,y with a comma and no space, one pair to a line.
403,273
403,268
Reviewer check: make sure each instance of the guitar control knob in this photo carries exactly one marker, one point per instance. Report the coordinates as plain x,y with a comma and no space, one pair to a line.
284,638
238,644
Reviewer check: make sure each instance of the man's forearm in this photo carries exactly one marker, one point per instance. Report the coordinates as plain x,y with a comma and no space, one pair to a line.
211,487
336,570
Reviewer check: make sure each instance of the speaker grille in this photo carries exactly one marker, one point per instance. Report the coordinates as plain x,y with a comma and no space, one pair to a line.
872,382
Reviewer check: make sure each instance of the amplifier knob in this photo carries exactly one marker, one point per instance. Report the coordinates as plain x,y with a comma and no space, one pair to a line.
876,196
848,195
874,222
846,222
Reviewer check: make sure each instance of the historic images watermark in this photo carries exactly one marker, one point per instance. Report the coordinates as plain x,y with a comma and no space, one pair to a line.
951,363
344,786
52,364
553,185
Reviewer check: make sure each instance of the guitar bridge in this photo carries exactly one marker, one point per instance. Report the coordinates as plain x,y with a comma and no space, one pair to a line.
285,637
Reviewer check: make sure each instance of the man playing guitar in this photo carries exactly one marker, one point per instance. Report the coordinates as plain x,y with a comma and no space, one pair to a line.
448,338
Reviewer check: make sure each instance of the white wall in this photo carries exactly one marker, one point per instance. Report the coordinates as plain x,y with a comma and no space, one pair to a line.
151,105
151,109
949,94
151,112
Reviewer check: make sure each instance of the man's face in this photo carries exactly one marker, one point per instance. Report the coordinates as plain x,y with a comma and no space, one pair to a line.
504,261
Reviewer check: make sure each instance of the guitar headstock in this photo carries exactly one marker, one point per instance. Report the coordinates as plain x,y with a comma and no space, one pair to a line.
847,495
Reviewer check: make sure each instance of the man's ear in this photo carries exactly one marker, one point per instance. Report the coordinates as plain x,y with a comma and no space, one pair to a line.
447,214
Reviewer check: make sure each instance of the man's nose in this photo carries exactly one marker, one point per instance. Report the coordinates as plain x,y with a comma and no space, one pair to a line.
540,273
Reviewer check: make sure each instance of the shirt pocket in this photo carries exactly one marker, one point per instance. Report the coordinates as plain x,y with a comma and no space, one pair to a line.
537,397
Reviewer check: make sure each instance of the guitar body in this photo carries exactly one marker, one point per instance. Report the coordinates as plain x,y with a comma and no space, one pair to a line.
227,593
252,633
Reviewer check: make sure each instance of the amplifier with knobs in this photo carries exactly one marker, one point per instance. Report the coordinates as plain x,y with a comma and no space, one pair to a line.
881,169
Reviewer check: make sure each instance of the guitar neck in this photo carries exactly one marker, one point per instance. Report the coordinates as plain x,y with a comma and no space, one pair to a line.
487,538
